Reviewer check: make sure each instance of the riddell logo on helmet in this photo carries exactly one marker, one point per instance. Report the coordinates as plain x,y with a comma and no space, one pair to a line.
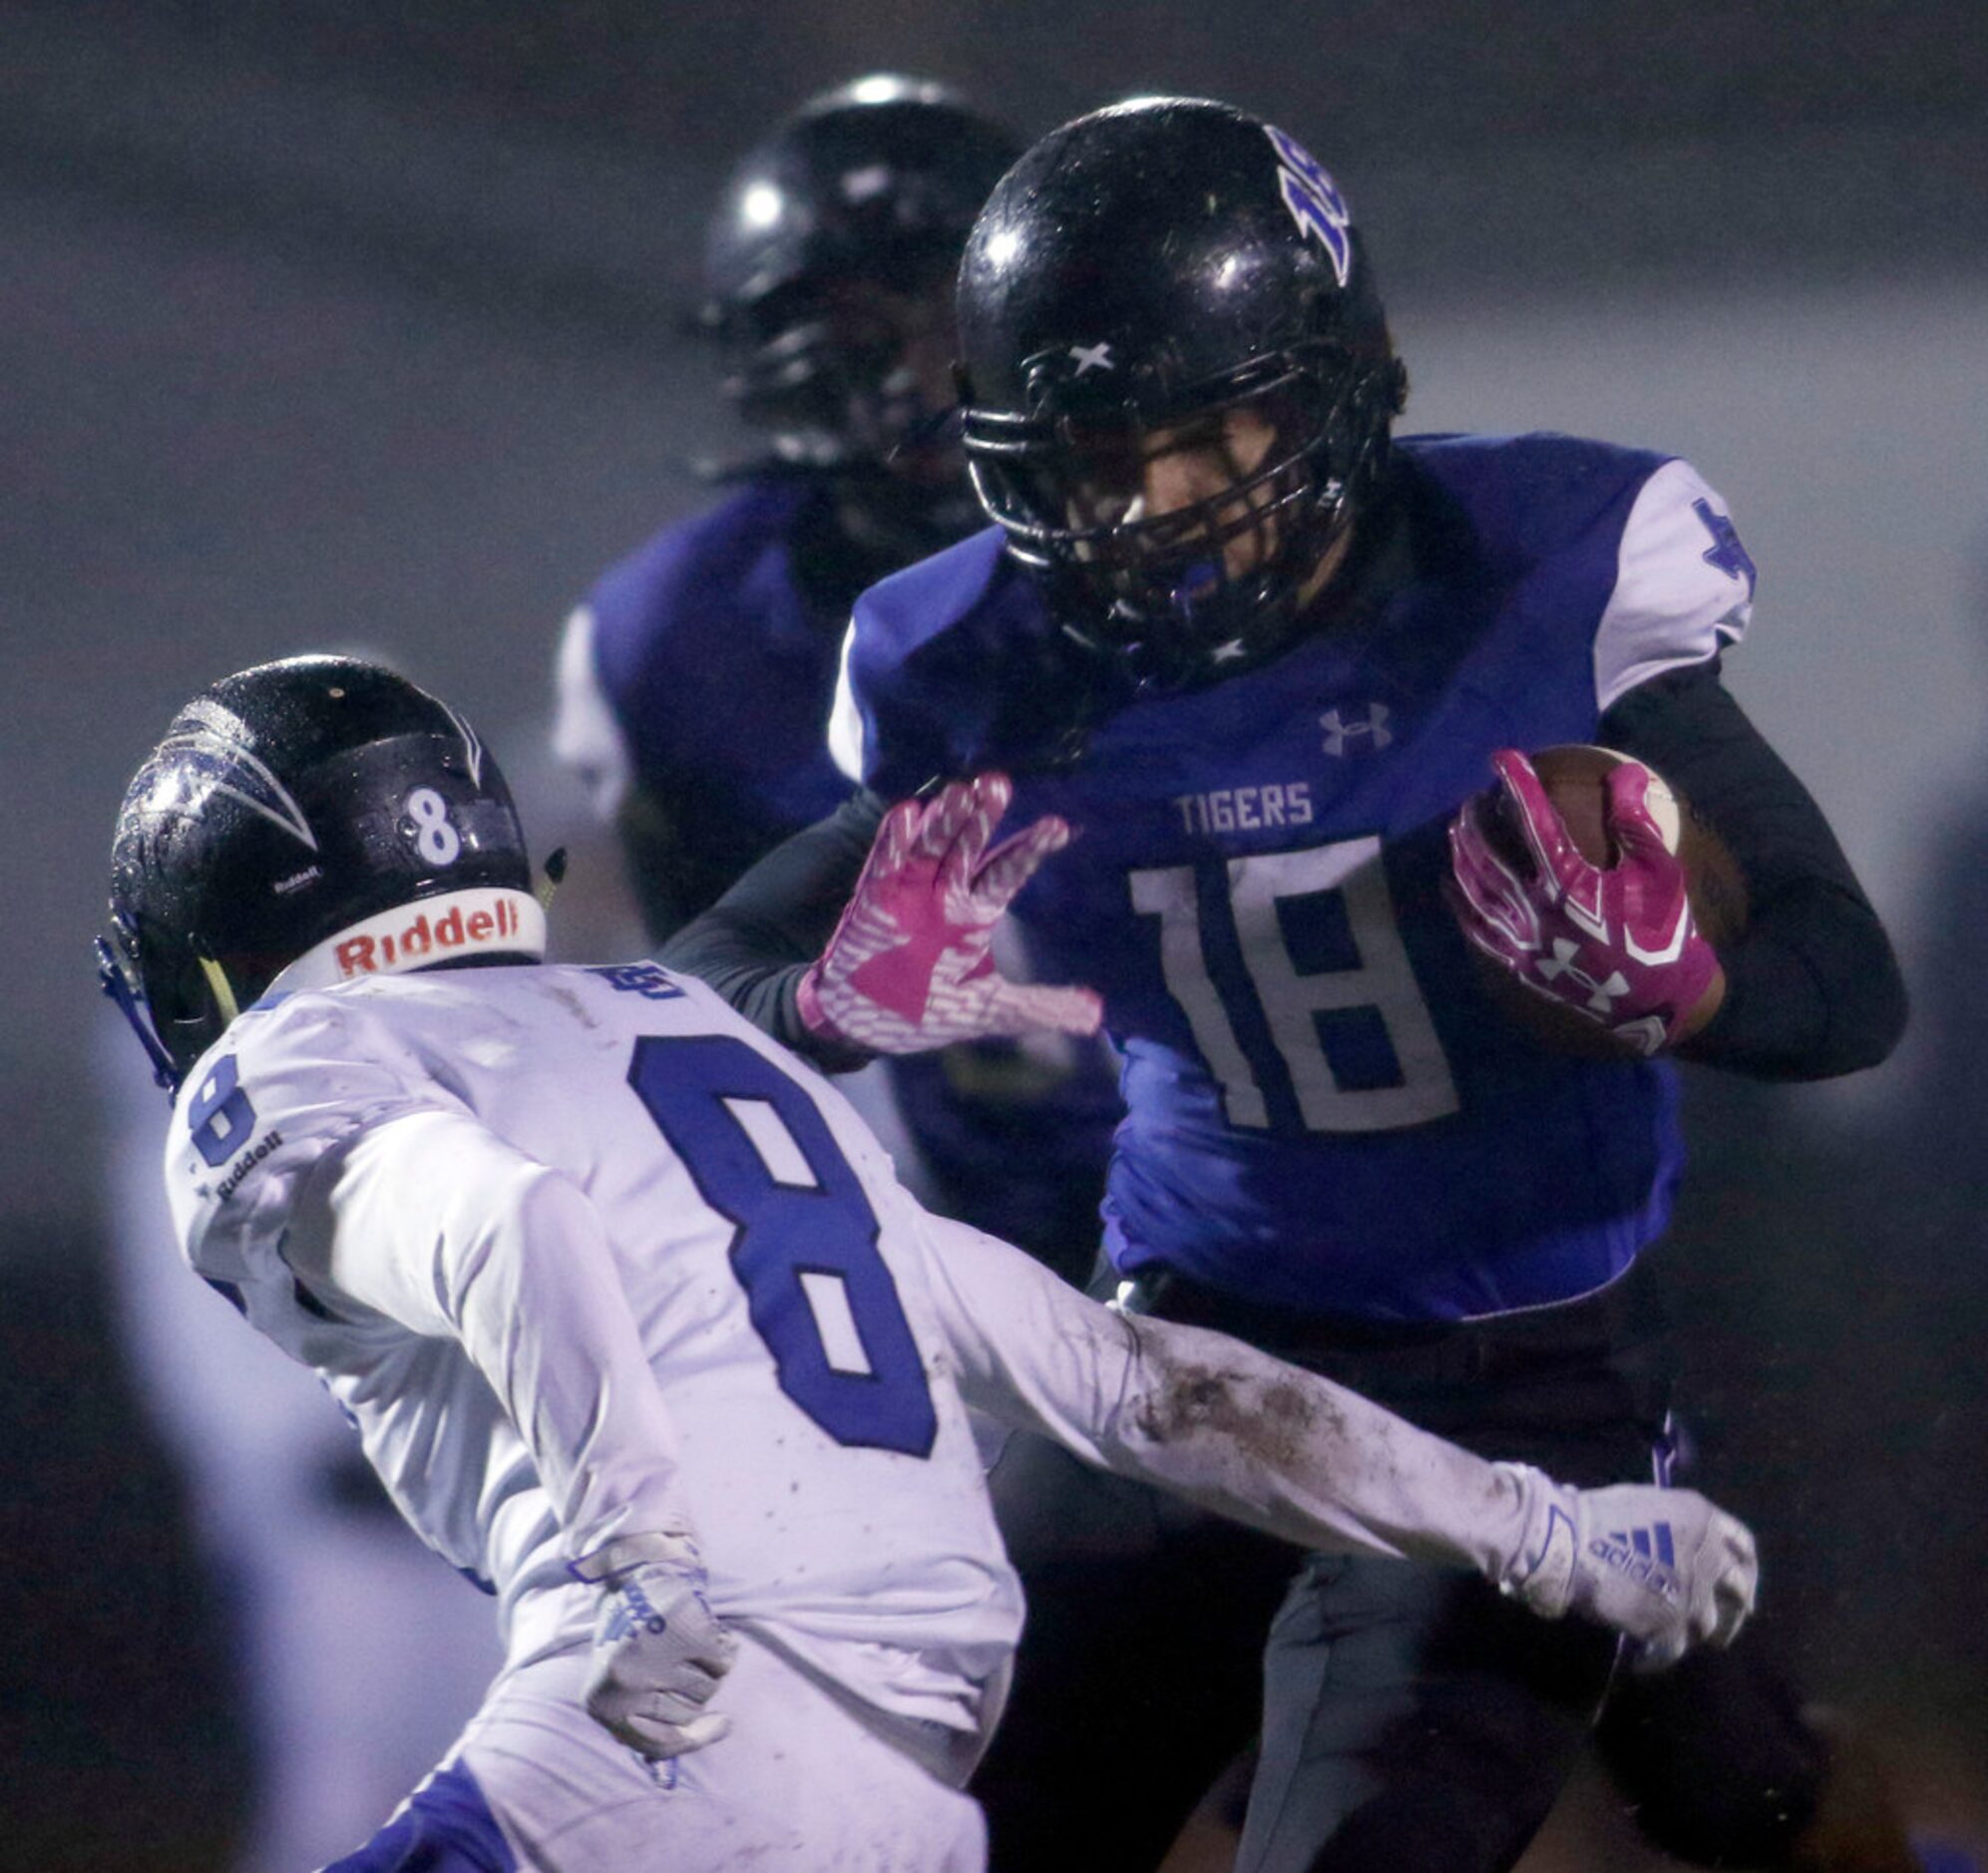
423,938
482,920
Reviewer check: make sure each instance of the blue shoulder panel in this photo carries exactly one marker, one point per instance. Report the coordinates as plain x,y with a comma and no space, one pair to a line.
1534,497
660,591
712,665
946,666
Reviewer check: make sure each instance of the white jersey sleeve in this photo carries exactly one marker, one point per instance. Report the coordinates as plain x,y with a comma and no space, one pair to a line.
1212,1419
393,1206
1684,585
433,1221
587,736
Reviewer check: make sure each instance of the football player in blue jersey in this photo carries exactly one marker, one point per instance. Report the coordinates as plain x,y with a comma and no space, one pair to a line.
1259,657
695,679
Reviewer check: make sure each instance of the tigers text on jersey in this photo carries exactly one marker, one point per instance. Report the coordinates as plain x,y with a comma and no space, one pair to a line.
1323,1111
492,1152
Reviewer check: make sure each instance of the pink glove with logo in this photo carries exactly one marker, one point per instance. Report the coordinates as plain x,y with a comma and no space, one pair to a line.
1617,944
908,968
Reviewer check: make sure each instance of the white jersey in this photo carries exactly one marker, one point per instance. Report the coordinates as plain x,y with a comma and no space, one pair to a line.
582,1255
814,1436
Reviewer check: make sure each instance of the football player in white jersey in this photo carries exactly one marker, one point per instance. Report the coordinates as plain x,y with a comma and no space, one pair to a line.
641,1334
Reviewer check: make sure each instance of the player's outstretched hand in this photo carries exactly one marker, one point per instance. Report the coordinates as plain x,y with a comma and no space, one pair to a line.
658,1649
909,967
1664,1567
1616,943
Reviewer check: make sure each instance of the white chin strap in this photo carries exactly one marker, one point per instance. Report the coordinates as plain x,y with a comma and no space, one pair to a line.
487,921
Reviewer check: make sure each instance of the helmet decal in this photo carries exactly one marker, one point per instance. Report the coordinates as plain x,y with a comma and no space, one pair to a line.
472,747
214,754
1312,198
866,183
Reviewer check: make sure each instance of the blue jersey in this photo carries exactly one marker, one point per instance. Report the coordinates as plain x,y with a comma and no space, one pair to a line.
700,670
1323,1111
712,668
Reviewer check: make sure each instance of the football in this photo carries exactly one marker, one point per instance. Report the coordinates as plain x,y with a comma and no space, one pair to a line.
1575,779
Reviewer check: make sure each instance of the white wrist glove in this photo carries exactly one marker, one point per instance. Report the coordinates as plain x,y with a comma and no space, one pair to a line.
658,1649
1663,1566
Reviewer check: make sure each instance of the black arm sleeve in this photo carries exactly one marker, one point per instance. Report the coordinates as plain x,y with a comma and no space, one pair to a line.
755,943
1812,988
673,873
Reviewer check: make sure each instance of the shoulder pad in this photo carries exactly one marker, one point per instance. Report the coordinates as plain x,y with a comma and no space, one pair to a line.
1529,497
944,668
687,571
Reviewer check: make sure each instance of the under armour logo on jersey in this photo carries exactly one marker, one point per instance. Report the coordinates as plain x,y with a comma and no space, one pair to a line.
1648,1555
1372,735
1314,199
1602,995
1091,358
1726,553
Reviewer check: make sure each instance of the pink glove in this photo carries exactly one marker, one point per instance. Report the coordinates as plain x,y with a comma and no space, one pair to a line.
908,968
1618,946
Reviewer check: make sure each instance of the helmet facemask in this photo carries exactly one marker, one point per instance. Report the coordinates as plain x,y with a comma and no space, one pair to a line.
830,368
1215,583
849,378
121,976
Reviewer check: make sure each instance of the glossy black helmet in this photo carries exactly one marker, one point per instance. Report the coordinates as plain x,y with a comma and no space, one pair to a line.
288,822
863,196
1151,267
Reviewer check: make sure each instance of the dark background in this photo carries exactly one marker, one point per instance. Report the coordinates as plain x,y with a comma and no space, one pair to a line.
332,325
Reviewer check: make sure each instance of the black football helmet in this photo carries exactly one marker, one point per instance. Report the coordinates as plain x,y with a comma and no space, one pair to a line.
287,806
833,252
1152,266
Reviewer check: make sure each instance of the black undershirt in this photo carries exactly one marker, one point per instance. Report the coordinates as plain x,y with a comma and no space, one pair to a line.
1812,988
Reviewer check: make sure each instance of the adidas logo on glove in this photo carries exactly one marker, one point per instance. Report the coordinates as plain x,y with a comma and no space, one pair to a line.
1643,1555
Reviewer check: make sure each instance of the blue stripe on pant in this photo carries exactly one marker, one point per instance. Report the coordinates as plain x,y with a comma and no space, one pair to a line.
446,1828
